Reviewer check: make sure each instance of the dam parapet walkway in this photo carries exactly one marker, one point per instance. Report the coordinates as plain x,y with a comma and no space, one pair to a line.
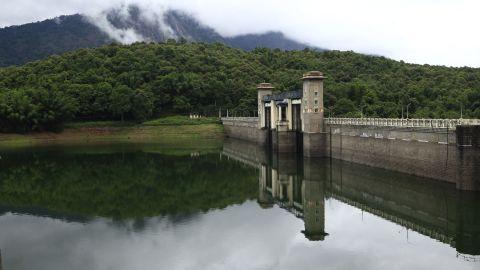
374,122
399,123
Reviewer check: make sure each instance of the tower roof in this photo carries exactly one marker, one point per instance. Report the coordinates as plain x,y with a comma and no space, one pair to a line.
265,86
313,75
284,95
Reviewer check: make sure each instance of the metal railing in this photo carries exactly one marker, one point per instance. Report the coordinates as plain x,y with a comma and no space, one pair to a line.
241,119
384,122
392,122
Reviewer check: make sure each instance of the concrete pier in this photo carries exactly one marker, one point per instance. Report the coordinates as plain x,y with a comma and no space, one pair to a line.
313,126
284,141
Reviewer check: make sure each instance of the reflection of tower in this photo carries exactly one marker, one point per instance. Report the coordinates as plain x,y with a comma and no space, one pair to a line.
287,170
275,184
313,190
314,210
264,198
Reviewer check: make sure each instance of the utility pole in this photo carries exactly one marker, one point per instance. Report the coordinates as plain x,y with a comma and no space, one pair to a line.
407,108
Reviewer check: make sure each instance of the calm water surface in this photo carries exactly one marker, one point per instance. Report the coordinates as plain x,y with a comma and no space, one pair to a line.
233,207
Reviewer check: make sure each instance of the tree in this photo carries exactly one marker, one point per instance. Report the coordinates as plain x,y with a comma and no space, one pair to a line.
121,101
18,113
54,108
343,107
142,104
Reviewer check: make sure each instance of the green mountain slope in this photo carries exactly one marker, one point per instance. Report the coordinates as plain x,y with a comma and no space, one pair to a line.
34,41
142,80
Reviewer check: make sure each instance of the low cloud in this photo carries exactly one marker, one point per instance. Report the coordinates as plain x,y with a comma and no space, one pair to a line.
154,17
126,36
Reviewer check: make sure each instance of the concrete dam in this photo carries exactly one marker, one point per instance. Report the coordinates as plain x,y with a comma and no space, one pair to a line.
293,122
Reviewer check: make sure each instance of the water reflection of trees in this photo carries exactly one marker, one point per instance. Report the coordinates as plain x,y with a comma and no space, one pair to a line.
123,185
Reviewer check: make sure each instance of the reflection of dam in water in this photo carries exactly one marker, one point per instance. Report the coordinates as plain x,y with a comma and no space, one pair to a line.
301,185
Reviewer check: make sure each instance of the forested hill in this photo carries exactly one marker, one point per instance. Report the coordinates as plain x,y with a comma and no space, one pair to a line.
34,41
142,80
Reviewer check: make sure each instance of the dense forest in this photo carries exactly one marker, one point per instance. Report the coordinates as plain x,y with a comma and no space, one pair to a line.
145,80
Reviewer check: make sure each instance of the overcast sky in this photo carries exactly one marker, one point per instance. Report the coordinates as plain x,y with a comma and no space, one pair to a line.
444,32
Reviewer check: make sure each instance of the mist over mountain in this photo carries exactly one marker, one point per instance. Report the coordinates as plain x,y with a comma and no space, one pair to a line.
125,24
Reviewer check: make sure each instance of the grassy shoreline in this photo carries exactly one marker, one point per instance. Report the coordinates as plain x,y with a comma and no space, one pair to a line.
164,130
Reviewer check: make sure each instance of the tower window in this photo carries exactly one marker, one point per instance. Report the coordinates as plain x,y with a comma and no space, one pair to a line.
316,109
284,114
316,93
316,102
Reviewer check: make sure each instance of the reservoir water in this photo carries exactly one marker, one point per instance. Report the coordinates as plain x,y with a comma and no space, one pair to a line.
229,206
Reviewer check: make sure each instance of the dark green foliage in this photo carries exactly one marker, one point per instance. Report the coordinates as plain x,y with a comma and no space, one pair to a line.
33,41
142,104
121,100
26,109
142,80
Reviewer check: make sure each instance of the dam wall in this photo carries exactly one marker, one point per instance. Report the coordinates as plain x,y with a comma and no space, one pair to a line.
432,153
450,154
245,128
294,122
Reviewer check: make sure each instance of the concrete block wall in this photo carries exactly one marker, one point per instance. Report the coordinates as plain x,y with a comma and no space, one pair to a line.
435,135
429,156
315,144
245,129
284,141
